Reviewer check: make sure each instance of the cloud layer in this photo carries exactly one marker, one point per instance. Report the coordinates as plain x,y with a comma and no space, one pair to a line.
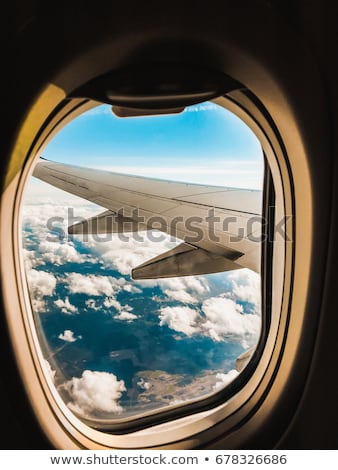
40,284
245,286
220,318
67,336
94,393
181,319
223,307
65,306
93,285
126,316
222,380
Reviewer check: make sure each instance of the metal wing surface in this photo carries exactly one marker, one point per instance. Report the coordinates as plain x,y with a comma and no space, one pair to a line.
219,226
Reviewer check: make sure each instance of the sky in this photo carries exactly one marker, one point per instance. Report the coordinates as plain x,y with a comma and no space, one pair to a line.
205,144
113,343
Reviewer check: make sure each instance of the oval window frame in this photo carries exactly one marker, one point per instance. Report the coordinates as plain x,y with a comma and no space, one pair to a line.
46,405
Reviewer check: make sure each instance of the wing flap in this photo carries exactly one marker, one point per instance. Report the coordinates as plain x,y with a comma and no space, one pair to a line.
183,260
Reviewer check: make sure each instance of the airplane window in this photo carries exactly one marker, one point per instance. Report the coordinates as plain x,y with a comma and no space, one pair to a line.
142,241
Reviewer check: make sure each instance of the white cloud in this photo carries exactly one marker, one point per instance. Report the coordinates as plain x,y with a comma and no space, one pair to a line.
132,289
224,379
181,319
91,303
181,296
109,303
221,318
41,284
188,290
246,286
53,206
39,305
68,336
112,302
93,285
49,370
65,306
123,252
94,392
31,261
59,253
127,316
48,221
225,319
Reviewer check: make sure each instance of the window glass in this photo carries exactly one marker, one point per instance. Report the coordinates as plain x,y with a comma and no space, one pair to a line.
117,346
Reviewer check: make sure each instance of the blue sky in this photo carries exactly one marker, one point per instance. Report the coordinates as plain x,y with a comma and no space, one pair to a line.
205,144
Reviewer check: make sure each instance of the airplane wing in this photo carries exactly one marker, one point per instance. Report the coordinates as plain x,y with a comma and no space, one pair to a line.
219,226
